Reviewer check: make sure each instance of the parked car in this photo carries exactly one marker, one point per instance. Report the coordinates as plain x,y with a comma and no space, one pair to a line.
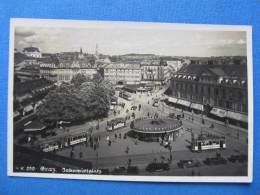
133,107
188,164
132,170
152,167
104,171
119,171
172,115
238,158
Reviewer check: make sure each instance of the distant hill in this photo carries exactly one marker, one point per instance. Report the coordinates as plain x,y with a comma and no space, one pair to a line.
136,54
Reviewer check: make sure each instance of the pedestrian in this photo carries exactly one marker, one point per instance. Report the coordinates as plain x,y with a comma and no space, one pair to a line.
127,149
192,173
129,162
72,154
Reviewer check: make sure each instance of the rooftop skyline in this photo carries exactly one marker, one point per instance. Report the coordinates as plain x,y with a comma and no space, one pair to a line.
141,41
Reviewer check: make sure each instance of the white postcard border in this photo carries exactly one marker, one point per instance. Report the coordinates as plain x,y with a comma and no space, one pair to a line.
15,22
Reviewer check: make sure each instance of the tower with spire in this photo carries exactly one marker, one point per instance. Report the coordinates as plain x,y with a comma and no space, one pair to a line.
81,55
96,52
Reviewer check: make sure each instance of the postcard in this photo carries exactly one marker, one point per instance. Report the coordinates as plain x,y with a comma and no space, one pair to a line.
130,101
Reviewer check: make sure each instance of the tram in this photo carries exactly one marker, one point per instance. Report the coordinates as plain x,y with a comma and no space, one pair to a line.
62,142
207,142
116,124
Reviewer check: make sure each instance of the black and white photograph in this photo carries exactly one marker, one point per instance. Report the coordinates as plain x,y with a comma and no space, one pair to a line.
130,101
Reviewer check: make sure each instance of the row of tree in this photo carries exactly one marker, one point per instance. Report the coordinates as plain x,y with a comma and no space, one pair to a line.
82,99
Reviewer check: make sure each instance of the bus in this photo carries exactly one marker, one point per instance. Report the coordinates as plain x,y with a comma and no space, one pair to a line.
125,95
60,142
116,124
207,141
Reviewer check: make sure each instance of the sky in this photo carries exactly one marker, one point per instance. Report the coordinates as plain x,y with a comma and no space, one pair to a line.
124,41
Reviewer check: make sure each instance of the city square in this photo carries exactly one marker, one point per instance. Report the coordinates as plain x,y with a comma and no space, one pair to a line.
132,113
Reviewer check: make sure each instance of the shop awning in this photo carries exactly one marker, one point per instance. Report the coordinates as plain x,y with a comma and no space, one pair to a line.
184,103
34,126
172,100
28,108
219,112
16,114
197,106
237,116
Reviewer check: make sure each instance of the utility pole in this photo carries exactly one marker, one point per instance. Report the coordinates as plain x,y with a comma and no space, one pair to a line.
97,160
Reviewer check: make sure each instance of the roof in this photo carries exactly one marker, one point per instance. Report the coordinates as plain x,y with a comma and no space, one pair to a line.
151,62
48,60
122,65
206,136
31,49
219,70
34,126
29,86
78,63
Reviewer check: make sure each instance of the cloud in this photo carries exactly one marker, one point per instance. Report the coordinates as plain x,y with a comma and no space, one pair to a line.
32,39
24,33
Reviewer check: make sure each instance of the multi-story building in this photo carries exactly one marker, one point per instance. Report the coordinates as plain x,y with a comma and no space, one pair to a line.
218,89
153,71
32,52
64,70
123,72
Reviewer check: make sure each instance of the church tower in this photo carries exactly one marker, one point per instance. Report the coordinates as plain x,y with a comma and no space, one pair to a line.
96,52
81,55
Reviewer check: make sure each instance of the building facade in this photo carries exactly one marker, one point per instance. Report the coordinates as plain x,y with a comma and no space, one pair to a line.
32,52
153,71
123,72
64,70
218,89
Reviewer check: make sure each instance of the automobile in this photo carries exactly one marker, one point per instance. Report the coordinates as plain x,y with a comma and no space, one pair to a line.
238,158
178,116
133,107
188,164
172,115
155,104
132,170
152,167
118,171
215,160
122,104
104,171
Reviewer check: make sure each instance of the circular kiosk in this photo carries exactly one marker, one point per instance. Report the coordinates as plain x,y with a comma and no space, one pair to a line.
148,129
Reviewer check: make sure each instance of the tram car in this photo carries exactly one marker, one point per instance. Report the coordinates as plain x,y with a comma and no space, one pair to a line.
58,143
125,95
207,142
116,124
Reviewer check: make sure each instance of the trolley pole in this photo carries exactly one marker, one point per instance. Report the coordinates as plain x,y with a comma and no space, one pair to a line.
97,160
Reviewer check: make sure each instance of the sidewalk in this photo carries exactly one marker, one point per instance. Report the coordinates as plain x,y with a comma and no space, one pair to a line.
206,118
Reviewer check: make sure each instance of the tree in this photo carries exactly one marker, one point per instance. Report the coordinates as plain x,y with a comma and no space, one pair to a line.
61,104
90,99
78,79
